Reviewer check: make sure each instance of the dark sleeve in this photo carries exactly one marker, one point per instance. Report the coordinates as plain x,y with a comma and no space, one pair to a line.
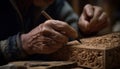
68,15
11,49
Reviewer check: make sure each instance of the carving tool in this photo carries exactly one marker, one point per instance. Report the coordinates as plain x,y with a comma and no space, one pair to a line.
49,17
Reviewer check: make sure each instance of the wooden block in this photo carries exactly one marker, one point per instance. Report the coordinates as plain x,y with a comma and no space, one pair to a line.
101,52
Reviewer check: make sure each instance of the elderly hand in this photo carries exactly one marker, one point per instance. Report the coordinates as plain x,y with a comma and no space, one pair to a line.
92,19
47,37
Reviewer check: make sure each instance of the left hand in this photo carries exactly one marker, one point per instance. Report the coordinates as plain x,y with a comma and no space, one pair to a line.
93,19
47,37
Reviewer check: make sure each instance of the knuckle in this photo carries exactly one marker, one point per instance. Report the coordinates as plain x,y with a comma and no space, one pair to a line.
87,6
44,30
48,22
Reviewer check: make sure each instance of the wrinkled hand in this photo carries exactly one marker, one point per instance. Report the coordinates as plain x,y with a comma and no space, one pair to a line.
47,37
92,19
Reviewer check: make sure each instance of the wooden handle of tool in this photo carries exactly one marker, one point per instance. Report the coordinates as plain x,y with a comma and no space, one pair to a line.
46,15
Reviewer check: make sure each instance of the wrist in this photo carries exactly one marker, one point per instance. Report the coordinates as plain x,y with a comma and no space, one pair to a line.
25,44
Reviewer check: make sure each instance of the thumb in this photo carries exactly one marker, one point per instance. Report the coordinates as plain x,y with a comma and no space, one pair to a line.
88,11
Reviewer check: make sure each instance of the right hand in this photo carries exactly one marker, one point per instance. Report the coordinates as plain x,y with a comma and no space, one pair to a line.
93,19
47,37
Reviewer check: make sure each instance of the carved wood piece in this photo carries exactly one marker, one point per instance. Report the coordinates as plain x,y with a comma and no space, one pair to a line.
101,52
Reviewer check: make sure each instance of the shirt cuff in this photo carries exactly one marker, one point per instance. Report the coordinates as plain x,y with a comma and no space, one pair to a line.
12,48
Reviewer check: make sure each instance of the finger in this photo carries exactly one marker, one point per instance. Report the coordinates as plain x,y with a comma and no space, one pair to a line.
62,27
97,13
54,35
88,10
103,17
83,23
99,26
95,20
104,23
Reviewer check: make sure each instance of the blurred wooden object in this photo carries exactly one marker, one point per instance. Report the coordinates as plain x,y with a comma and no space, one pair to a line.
42,65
